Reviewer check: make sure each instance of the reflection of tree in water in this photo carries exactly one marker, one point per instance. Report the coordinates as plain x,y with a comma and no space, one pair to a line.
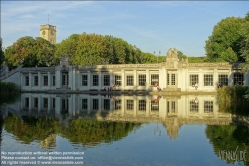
92,132
85,131
29,129
229,138
232,100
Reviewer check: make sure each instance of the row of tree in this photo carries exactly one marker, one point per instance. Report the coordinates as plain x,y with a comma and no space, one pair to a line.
82,49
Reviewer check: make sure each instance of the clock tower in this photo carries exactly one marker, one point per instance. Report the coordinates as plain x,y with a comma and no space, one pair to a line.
48,32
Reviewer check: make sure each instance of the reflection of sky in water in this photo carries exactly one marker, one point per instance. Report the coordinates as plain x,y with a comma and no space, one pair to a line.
142,146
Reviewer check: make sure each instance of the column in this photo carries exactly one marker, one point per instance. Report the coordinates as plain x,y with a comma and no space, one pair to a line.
89,107
57,107
163,78
201,80
186,83
111,78
216,80
49,80
30,81
39,80
135,106
39,103
135,80
122,98
230,78
147,85
147,108
50,100
100,80
70,78
122,80
30,103
58,79
100,103
70,103
89,80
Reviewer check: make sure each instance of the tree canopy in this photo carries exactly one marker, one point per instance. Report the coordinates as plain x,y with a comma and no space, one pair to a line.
225,39
1,52
229,41
30,52
94,49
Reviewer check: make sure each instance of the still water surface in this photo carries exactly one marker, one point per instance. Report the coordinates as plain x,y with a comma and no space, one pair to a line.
143,133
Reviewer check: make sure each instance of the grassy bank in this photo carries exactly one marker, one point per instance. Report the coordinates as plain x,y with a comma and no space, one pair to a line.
9,92
234,100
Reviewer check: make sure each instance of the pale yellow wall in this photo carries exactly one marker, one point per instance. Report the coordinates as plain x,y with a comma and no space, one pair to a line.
48,32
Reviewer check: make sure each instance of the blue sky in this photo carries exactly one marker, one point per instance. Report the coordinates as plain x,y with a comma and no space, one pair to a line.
150,25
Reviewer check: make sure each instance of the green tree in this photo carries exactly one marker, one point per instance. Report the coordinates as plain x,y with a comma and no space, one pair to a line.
225,38
45,52
91,49
67,46
1,53
30,52
245,42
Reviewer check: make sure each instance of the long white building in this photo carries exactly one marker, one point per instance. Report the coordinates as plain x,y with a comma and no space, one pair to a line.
172,75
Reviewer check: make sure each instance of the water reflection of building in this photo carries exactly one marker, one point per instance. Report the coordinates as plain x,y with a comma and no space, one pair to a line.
50,141
173,111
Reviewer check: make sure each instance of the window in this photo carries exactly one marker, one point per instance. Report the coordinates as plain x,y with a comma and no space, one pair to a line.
129,104
171,106
64,79
193,79
173,79
84,104
141,79
208,80
53,81
154,106
45,80
53,104
84,80
208,106
26,102
238,78
129,81
141,105
194,106
118,105
168,79
223,79
95,104
95,80
26,80
168,106
45,102
65,104
36,81
154,79
106,80
118,80
36,102
107,104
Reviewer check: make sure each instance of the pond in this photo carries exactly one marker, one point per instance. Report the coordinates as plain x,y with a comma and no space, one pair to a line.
77,129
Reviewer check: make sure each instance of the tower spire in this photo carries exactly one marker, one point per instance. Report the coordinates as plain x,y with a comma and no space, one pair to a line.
48,19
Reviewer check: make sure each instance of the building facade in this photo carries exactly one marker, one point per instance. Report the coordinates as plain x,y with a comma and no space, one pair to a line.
171,75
